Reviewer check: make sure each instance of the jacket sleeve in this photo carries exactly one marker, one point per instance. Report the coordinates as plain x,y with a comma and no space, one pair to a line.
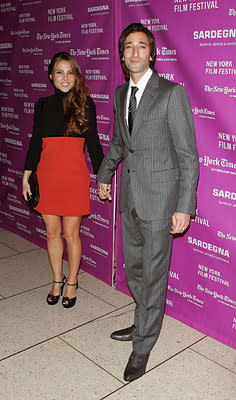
92,140
181,125
115,152
35,145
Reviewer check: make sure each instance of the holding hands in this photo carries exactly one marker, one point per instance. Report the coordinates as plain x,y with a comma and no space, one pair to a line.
104,191
180,221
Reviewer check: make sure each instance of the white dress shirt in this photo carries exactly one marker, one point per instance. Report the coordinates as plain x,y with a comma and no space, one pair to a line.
141,84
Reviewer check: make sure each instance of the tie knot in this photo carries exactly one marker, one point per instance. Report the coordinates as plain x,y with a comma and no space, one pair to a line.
134,90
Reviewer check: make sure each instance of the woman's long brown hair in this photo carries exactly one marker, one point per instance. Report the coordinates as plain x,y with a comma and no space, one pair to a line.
75,102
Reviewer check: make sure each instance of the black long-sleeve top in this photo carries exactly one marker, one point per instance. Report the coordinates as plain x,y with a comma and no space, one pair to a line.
49,122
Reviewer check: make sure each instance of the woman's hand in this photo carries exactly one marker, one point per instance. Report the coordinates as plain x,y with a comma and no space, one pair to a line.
25,185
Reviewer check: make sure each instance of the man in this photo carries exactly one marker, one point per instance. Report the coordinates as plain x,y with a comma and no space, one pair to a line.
154,136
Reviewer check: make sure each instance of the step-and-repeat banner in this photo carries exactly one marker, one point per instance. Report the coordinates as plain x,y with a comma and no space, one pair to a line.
31,33
196,46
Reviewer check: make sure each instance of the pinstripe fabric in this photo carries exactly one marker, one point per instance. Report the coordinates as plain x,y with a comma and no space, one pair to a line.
147,247
159,176
160,157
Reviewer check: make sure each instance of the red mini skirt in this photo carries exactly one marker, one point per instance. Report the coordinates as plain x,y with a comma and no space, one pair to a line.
63,177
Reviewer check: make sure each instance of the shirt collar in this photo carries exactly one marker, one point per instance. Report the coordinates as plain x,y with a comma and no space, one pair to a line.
141,84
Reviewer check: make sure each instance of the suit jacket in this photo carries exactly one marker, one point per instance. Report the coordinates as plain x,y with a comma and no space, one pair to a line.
160,158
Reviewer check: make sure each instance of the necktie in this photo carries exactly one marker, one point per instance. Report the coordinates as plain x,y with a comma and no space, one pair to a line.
132,107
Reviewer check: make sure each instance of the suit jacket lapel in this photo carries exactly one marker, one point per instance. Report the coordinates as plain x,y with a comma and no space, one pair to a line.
149,94
123,99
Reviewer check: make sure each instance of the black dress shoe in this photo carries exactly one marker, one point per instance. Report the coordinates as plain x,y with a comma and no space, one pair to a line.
123,334
136,366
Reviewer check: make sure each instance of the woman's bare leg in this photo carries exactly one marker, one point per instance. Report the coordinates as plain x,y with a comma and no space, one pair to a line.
55,249
71,227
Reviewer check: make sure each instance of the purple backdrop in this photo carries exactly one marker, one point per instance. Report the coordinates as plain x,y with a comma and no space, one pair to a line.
196,47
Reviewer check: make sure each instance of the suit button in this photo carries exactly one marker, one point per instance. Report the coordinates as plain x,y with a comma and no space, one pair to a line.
131,150
128,171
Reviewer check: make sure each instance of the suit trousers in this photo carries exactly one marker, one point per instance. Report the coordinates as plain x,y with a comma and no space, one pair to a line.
147,250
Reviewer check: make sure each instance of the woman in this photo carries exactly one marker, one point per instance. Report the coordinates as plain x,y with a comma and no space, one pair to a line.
63,124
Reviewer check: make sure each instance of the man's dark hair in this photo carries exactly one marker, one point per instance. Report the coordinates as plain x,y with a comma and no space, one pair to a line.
136,27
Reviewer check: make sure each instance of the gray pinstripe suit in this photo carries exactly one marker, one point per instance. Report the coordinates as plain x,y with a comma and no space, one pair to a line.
159,176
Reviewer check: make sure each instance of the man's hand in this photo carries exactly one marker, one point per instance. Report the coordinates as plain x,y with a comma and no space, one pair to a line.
180,222
104,191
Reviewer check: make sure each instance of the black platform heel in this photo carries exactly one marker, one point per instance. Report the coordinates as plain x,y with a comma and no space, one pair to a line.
51,299
66,301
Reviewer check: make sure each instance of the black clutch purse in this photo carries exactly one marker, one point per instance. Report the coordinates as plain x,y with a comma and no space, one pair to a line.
34,187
